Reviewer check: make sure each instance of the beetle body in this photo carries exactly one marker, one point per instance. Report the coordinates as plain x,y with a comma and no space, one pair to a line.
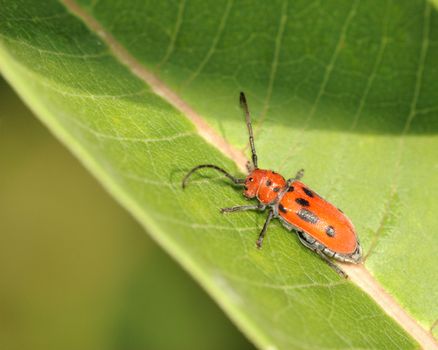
320,226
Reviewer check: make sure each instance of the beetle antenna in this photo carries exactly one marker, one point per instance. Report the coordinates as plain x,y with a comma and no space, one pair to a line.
227,174
244,105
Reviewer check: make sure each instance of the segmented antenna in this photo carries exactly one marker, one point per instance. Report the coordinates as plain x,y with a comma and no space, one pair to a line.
215,167
244,105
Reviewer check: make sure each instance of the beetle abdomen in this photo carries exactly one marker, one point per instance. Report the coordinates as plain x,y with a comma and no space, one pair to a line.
307,211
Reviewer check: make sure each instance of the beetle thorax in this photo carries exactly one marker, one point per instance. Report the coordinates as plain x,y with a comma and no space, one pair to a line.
266,185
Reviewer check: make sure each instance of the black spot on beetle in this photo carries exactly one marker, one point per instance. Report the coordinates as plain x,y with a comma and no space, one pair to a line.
302,201
308,192
282,209
268,183
290,189
276,189
307,216
330,231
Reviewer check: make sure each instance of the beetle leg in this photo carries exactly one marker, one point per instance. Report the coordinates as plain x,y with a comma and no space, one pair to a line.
339,271
312,244
249,167
260,207
265,227
298,176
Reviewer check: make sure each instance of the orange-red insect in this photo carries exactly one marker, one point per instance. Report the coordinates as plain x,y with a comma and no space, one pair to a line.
321,227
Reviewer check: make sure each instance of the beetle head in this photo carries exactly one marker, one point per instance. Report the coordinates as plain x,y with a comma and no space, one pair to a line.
252,183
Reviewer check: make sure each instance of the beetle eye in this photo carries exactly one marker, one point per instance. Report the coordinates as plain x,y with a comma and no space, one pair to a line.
251,179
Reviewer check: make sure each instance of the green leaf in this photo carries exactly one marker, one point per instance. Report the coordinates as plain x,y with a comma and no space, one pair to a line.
346,90
114,293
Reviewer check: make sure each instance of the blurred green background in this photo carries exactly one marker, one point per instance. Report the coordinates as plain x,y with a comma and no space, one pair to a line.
76,271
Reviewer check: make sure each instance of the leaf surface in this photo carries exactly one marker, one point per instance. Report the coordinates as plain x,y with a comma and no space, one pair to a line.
346,90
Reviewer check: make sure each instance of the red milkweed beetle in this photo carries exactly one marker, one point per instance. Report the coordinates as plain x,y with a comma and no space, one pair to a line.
320,226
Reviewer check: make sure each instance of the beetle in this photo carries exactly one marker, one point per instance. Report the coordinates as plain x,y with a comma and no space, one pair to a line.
320,226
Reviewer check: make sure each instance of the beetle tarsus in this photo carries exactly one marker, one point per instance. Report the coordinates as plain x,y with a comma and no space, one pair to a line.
264,229
259,243
299,175
242,208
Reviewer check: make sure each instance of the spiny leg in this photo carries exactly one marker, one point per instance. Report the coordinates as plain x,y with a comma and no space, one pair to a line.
313,245
331,264
265,227
298,176
243,208
249,167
